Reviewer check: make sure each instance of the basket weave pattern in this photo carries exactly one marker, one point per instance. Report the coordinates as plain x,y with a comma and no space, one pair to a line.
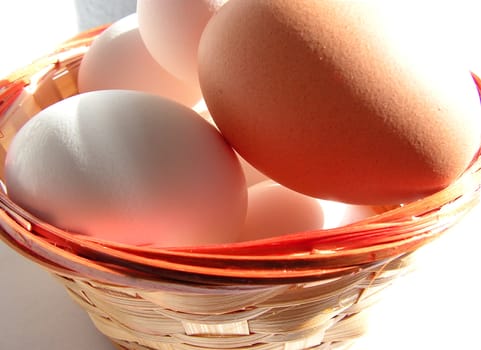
162,314
291,316
304,291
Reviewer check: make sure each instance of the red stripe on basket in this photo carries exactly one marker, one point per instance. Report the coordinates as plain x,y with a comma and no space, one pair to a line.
9,91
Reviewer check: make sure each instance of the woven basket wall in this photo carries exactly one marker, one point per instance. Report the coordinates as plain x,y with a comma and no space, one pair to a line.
302,291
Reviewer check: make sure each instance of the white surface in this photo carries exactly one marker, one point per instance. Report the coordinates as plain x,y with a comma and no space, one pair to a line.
30,28
36,312
437,307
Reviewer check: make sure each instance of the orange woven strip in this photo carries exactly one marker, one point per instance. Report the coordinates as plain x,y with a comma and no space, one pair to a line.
12,85
9,92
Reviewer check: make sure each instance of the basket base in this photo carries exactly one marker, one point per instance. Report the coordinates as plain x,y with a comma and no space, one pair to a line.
325,315
336,346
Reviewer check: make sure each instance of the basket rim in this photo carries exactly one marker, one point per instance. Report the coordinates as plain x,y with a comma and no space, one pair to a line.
214,266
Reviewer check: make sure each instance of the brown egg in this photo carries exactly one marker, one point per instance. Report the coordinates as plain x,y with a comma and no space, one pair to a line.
339,99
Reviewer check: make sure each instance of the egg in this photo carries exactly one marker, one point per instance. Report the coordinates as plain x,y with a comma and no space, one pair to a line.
275,210
171,31
128,167
339,100
118,59
252,174
338,214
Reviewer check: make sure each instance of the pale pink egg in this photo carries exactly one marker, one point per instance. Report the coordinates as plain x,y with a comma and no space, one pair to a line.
252,174
274,210
337,214
118,59
171,31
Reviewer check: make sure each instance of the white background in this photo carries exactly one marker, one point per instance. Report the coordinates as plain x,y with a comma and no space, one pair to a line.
437,307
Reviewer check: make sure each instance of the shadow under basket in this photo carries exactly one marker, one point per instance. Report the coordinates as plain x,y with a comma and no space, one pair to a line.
306,290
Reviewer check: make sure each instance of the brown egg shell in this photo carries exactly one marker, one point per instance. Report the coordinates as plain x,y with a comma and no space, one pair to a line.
325,100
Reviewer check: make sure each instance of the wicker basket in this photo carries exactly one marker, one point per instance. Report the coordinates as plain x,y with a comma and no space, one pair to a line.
306,290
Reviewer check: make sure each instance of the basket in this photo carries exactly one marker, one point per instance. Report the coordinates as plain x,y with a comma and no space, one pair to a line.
309,290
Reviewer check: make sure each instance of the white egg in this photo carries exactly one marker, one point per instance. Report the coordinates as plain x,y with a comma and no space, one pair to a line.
171,31
118,59
128,167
